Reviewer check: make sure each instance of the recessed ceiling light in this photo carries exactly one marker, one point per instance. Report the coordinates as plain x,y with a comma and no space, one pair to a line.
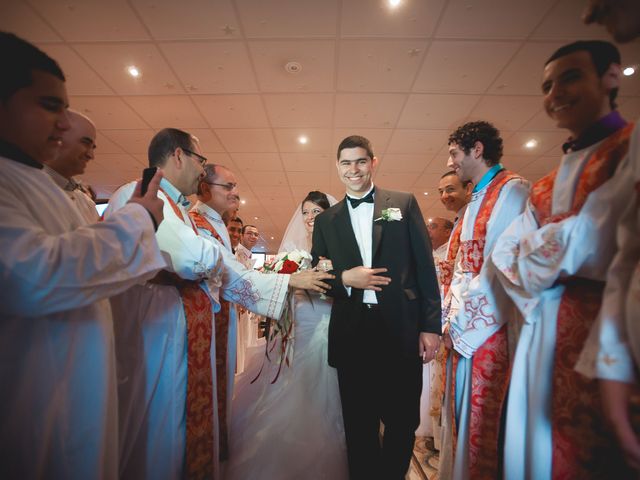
133,71
302,139
243,202
629,71
426,193
272,238
394,3
430,220
531,143
255,218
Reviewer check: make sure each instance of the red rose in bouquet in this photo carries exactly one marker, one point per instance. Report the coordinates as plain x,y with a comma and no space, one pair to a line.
289,266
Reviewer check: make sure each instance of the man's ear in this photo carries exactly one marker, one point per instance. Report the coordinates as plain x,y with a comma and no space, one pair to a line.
478,149
178,155
203,191
374,163
612,77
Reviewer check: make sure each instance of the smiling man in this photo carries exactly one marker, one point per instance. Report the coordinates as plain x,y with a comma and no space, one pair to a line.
553,259
476,332
385,319
78,147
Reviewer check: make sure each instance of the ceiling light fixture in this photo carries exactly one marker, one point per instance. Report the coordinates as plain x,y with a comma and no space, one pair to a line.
243,202
629,71
531,144
426,193
255,218
430,220
302,139
133,71
293,67
394,3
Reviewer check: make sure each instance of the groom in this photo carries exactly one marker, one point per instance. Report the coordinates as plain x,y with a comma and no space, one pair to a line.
385,319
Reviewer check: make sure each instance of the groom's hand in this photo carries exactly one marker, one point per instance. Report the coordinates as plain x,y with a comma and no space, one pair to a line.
429,343
365,278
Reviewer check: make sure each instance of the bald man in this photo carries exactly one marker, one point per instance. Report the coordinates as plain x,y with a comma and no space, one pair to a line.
78,146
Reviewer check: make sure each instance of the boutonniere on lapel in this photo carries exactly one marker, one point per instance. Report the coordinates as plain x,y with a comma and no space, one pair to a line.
390,215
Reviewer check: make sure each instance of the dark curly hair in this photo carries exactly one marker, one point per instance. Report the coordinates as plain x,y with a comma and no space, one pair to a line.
468,134
318,198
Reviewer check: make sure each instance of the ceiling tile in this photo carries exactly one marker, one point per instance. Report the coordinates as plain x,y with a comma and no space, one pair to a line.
92,20
269,192
308,162
422,142
379,138
507,113
288,18
459,66
424,111
300,110
523,74
262,179
630,56
108,112
167,111
377,110
18,17
546,141
198,19
630,108
429,182
247,140
396,162
540,121
541,166
80,78
379,65
376,19
564,22
258,162
318,139
211,67
232,111
209,142
491,18
309,181
112,60
131,141
104,145
395,181
316,58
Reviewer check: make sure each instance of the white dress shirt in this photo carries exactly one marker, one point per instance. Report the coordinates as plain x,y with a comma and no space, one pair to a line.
362,223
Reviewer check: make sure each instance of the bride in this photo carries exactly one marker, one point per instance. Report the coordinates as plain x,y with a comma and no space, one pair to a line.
293,428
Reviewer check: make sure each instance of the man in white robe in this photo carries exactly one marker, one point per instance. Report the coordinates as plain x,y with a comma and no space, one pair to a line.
552,260
612,352
237,282
58,410
78,147
477,331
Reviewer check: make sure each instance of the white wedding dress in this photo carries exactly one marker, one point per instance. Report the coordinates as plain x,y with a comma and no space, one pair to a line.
292,429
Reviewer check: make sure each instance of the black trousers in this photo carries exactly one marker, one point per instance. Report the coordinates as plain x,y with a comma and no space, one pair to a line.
379,385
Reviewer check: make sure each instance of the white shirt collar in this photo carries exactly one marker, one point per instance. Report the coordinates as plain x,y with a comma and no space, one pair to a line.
173,193
365,193
209,212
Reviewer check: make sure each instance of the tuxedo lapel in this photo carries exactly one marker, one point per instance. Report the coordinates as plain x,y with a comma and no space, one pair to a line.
381,201
345,230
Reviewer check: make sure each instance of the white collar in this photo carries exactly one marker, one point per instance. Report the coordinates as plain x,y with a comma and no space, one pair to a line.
173,193
208,212
365,194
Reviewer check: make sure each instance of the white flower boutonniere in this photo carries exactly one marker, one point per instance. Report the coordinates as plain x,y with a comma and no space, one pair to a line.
390,215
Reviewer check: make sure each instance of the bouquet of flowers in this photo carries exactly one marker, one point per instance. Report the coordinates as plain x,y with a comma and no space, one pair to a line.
280,331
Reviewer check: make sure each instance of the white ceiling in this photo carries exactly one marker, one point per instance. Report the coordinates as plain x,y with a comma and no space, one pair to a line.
403,78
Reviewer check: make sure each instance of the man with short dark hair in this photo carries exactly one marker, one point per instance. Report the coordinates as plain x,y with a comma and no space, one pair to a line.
164,332
250,236
552,261
78,146
58,408
383,326
476,332
234,227
612,353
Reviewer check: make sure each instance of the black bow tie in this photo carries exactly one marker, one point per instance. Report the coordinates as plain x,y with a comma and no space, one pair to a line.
368,198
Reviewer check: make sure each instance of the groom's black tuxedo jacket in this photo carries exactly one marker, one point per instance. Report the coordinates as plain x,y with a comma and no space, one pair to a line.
410,304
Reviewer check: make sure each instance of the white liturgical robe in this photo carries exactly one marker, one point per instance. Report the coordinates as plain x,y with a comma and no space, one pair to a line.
58,407
466,327
612,351
531,259
151,347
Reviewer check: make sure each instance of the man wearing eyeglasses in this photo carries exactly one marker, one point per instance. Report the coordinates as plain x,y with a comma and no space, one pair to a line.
164,331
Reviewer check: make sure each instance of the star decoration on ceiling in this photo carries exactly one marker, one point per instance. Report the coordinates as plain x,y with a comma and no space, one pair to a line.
228,30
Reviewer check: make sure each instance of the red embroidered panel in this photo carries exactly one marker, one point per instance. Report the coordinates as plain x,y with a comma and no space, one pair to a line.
582,447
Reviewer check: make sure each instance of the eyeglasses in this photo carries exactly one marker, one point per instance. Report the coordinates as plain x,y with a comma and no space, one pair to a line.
252,234
227,186
202,159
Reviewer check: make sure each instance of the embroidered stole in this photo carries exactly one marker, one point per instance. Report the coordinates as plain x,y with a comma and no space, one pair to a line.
582,447
490,367
222,319
199,414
